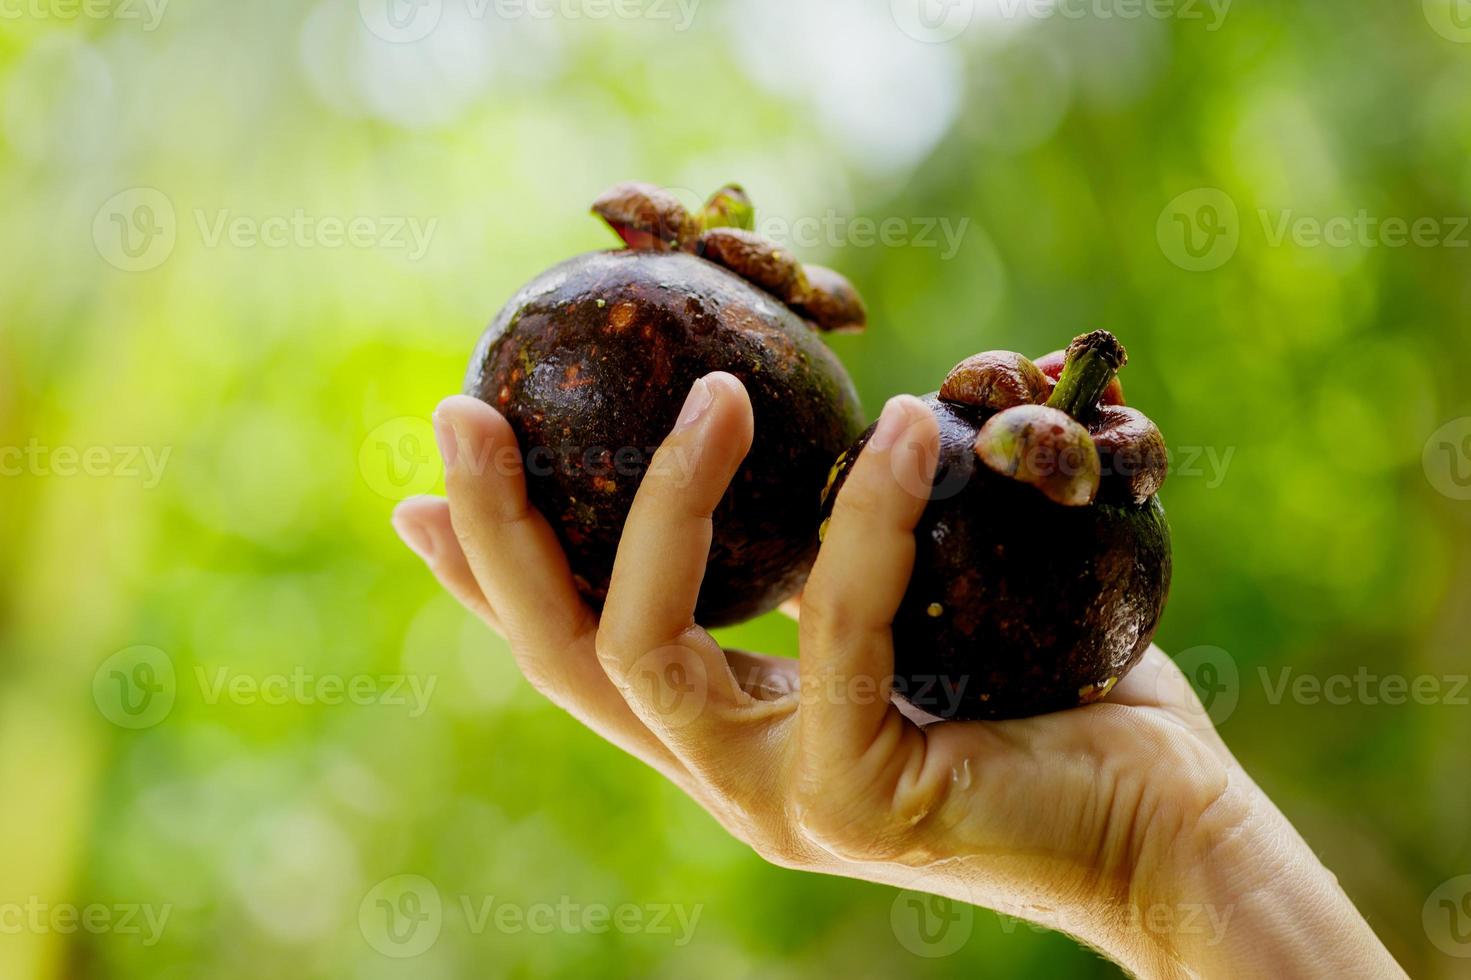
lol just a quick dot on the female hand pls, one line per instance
(1126, 823)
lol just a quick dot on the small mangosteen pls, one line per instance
(591, 361)
(1043, 557)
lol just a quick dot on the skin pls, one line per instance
(1083, 821)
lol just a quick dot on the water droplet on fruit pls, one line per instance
(960, 775)
(1089, 693)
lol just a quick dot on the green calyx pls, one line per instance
(728, 207)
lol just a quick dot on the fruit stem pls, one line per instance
(1092, 360)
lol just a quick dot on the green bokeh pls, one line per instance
(278, 375)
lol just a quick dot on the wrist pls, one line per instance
(1240, 894)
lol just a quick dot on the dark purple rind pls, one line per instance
(573, 375)
(1039, 605)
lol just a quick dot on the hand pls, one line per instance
(1115, 822)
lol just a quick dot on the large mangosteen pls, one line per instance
(1043, 557)
(591, 361)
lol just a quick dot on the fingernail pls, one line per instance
(419, 541)
(449, 444)
(892, 422)
(700, 398)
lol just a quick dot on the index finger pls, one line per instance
(856, 586)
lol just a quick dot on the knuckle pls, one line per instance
(611, 651)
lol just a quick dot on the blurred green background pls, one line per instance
(248, 246)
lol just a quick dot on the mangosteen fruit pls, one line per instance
(1042, 559)
(591, 361)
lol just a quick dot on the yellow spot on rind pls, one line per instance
(1089, 693)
